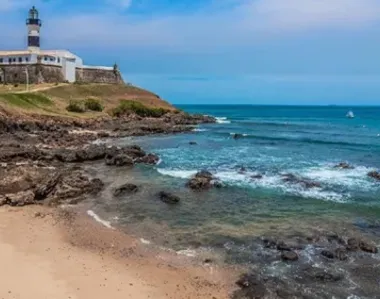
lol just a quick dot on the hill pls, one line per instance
(54, 99)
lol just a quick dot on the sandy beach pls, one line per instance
(45, 253)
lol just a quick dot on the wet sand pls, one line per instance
(45, 253)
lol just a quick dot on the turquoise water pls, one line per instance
(229, 222)
(305, 141)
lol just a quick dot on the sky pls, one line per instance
(306, 52)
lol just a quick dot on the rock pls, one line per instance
(168, 198)
(375, 175)
(364, 246)
(20, 199)
(353, 244)
(328, 254)
(125, 189)
(237, 136)
(65, 155)
(257, 176)
(193, 143)
(3, 200)
(119, 160)
(306, 183)
(344, 165)
(289, 256)
(202, 180)
(283, 247)
(150, 159)
(341, 254)
(207, 261)
(43, 190)
(326, 276)
(251, 287)
(91, 153)
(242, 170)
(39, 215)
(270, 243)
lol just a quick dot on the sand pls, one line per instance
(43, 255)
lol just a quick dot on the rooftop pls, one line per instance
(61, 53)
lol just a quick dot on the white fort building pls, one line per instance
(41, 66)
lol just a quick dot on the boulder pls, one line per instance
(364, 246)
(375, 175)
(203, 180)
(257, 176)
(193, 143)
(150, 159)
(237, 136)
(168, 198)
(250, 287)
(353, 244)
(341, 254)
(306, 183)
(328, 254)
(283, 247)
(344, 165)
(46, 187)
(125, 189)
(20, 199)
(119, 160)
(289, 256)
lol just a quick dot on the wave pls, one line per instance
(98, 219)
(222, 120)
(182, 174)
(299, 140)
(199, 130)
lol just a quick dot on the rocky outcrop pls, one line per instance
(125, 189)
(168, 197)
(306, 183)
(375, 175)
(203, 180)
(344, 165)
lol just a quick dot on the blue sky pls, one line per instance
(220, 51)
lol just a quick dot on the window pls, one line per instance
(26, 59)
(20, 59)
(45, 58)
(59, 60)
(14, 59)
(1, 60)
(52, 59)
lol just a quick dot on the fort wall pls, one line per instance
(98, 75)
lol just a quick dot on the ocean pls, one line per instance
(256, 201)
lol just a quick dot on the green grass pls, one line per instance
(93, 105)
(26, 100)
(129, 107)
(76, 106)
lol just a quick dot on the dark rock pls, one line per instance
(207, 261)
(375, 175)
(364, 246)
(326, 276)
(257, 176)
(237, 136)
(168, 198)
(65, 155)
(45, 188)
(306, 183)
(328, 254)
(242, 170)
(20, 199)
(341, 254)
(353, 244)
(289, 256)
(150, 159)
(344, 165)
(270, 243)
(283, 247)
(251, 288)
(119, 160)
(193, 143)
(203, 180)
(125, 189)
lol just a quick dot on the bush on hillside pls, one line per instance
(93, 105)
(130, 107)
(76, 106)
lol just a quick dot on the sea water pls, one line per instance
(274, 140)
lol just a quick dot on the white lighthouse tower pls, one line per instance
(34, 25)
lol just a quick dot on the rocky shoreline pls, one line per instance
(42, 162)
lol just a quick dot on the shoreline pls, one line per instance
(68, 251)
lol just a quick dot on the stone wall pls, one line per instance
(90, 75)
(38, 73)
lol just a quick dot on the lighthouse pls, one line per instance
(33, 24)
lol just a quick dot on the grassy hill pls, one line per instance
(54, 99)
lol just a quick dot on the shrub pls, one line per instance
(129, 107)
(93, 105)
(76, 106)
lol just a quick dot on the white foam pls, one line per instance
(199, 130)
(98, 219)
(183, 174)
(222, 120)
